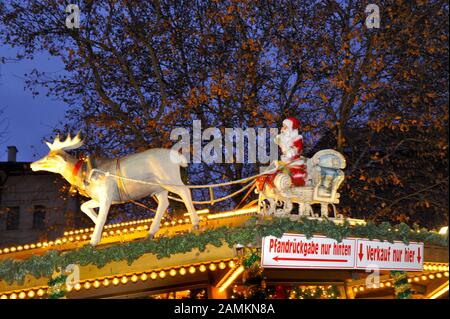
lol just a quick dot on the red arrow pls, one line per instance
(418, 256)
(277, 258)
(361, 254)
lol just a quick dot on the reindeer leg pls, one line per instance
(88, 209)
(185, 195)
(163, 203)
(105, 203)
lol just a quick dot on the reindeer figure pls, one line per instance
(158, 169)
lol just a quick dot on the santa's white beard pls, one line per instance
(286, 142)
(285, 139)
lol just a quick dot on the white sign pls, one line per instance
(319, 252)
(295, 251)
(389, 256)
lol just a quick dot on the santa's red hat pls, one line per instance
(292, 123)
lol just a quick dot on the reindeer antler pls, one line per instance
(68, 144)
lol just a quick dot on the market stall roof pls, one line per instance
(126, 264)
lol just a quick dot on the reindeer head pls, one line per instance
(56, 159)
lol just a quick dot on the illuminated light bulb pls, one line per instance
(20, 248)
(132, 229)
(71, 233)
(69, 288)
(431, 276)
(66, 233)
(425, 267)
(424, 278)
(81, 231)
(76, 238)
(111, 232)
(31, 294)
(40, 292)
(70, 238)
(437, 268)
(144, 277)
(87, 285)
(4, 297)
(166, 224)
(409, 280)
(192, 270)
(182, 271)
(58, 242)
(115, 281)
(106, 282)
(153, 275)
(355, 289)
(134, 278)
(86, 230)
(446, 274)
(125, 231)
(139, 228)
(84, 237)
(6, 250)
(32, 246)
(77, 286)
(124, 280)
(91, 229)
(222, 265)
(96, 284)
(173, 272)
(22, 295)
(180, 221)
(388, 284)
(382, 285)
(173, 223)
(416, 279)
(13, 249)
(162, 274)
(202, 268)
(446, 268)
(39, 245)
(118, 231)
(212, 267)
(13, 296)
(186, 220)
(231, 264)
(443, 230)
(64, 240)
(439, 275)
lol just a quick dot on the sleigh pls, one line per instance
(324, 176)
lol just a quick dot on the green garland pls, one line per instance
(251, 233)
(401, 286)
(56, 287)
(316, 293)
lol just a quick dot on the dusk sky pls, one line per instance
(29, 119)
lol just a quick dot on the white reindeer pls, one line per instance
(158, 168)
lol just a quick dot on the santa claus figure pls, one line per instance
(290, 141)
(291, 145)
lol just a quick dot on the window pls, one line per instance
(13, 218)
(39, 217)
